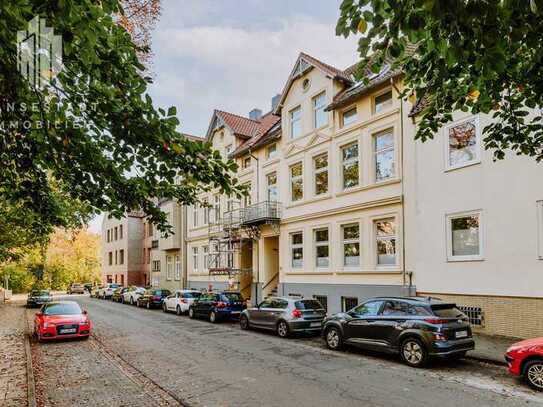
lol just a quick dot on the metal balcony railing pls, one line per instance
(262, 212)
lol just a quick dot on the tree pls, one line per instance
(477, 56)
(94, 129)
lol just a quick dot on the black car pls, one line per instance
(36, 298)
(153, 298)
(414, 327)
(217, 306)
(118, 294)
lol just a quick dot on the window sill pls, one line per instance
(370, 271)
(369, 186)
(271, 162)
(308, 273)
(308, 201)
(245, 171)
(458, 259)
(458, 167)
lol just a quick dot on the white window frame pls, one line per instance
(247, 199)
(296, 246)
(206, 213)
(317, 171)
(195, 215)
(385, 107)
(169, 267)
(319, 244)
(477, 159)
(540, 228)
(382, 151)
(292, 121)
(355, 117)
(205, 257)
(376, 239)
(271, 151)
(351, 241)
(271, 187)
(195, 256)
(448, 228)
(296, 178)
(349, 161)
(318, 108)
(177, 268)
(217, 208)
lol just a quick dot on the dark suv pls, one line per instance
(414, 327)
(217, 306)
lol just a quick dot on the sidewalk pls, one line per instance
(491, 348)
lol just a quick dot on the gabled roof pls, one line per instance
(269, 126)
(306, 62)
(240, 126)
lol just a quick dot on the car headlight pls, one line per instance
(48, 325)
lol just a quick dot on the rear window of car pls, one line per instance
(114, 286)
(308, 304)
(162, 292)
(191, 295)
(231, 297)
(62, 309)
(447, 311)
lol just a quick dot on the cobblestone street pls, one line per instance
(140, 357)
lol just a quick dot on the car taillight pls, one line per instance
(221, 304)
(157, 297)
(436, 321)
(296, 313)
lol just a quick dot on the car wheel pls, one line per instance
(533, 373)
(282, 329)
(191, 313)
(131, 300)
(212, 317)
(178, 310)
(413, 352)
(164, 307)
(333, 338)
(244, 322)
(138, 304)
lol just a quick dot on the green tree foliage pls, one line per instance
(479, 56)
(95, 128)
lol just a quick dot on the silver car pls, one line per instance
(285, 315)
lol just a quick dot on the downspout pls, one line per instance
(184, 231)
(257, 201)
(402, 187)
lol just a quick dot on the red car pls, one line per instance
(63, 319)
(525, 359)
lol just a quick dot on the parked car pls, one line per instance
(95, 290)
(217, 306)
(62, 319)
(180, 301)
(106, 291)
(153, 298)
(131, 295)
(525, 359)
(88, 287)
(414, 327)
(38, 298)
(76, 288)
(285, 315)
(118, 294)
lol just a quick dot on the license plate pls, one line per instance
(315, 324)
(461, 334)
(68, 331)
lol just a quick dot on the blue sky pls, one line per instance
(235, 55)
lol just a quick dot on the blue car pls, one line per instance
(217, 306)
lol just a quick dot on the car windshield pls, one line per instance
(162, 292)
(114, 286)
(62, 309)
(308, 304)
(191, 295)
(447, 311)
(231, 297)
(38, 293)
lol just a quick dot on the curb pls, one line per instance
(31, 385)
(486, 360)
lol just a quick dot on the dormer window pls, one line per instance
(382, 102)
(271, 151)
(247, 162)
(295, 122)
(349, 116)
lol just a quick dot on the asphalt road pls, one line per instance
(140, 357)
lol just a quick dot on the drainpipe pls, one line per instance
(402, 188)
(184, 229)
(257, 201)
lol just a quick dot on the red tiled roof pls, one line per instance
(241, 126)
(267, 122)
(329, 69)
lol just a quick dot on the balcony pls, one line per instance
(264, 212)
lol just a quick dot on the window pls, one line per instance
(368, 309)
(384, 156)
(156, 265)
(385, 233)
(206, 257)
(296, 182)
(108, 235)
(246, 162)
(297, 246)
(110, 260)
(350, 165)
(271, 180)
(320, 117)
(351, 245)
(322, 248)
(150, 229)
(348, 303)
(540, 228)
(195, 215)
(121, 232)
(349, 116)
(116, 233)
(206, 212)
(247, 198)
(195, 258)
(116, 257)
(121, 256)
(169, 267)
(227, 150)
(321, 174)
(464, 236)
(462, 143)
(217, 208)
(382, 102)
(296, 122)
(323, 300)
(271, 151)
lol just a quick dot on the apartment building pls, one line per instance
(324, 214)
(475, 227)
(121, 249)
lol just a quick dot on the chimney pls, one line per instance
(275, 101)
(255, 114)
